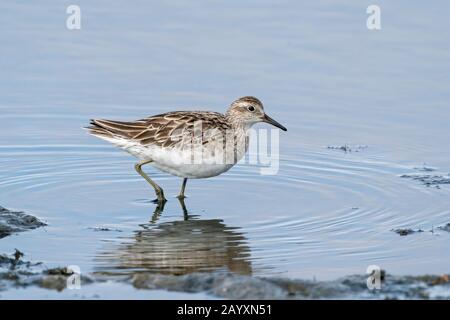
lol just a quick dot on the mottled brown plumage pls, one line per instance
(164, 130)
(166, 140)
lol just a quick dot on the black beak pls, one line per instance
(273, 122)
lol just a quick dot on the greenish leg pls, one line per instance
(158, 190)
(183, 187)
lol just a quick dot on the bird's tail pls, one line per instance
(97, 128)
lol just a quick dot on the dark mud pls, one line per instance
(425, 168)
(234, 286)
(15, 272)
(406, 231)
(347, 148)
(104, 229)
(429, 180)
(14, 221)
(445, 228)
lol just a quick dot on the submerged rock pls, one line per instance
(13, 221)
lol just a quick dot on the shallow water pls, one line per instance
(319, 71)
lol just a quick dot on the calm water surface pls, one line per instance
(319, 71)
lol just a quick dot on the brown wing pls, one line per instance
(165, 129)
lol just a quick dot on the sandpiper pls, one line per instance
(168, 141)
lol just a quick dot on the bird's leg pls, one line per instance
(158, 190)
(183, 186)
(183, 207)
(158, 210)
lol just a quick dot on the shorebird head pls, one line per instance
(249, 110)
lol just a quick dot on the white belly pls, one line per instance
(193, 171)
(183, 165)
(176, 162)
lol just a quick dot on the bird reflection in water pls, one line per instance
(179, 247)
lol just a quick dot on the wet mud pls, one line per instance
(16, 272)
(16, 221)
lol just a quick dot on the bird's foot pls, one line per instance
(160, 197)
(159, 200)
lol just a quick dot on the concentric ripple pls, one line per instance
(326, 213)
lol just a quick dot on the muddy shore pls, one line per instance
(17, 272)
(16, 221)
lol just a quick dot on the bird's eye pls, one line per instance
(251, 108)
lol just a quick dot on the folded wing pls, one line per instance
(164, 130)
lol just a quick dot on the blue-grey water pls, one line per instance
(318, 70)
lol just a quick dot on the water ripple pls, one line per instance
(322, 206)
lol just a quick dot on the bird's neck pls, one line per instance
(241, 127)
(240, 135)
